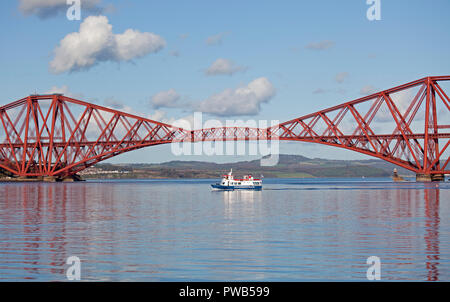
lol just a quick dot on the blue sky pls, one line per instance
(314, 54)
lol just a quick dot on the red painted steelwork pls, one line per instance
(420, 150)
(54, 135)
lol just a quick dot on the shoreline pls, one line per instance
(198, 178)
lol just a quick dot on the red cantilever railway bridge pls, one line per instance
(55, 137)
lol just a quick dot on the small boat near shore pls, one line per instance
(247, 182)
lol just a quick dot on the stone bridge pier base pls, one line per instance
(70, 178)
(429, 177)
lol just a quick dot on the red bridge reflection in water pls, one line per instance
(432, 232)
(131, 230)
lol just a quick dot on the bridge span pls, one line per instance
(53, 137)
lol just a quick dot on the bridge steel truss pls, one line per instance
(57, 136)
(420, 149)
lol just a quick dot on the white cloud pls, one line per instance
(168, 98)
(322, 45)
(245, 100)
(184, 36)
(320, 91)
(134, 44)
(223, 67)
(64, 90)
(113, 103)
(157, 115)
(95, 42)
(368, 89)
(175, 53)
(216, 39)
(340, 77)
(402, 101)
(49, 8)
(55, 89)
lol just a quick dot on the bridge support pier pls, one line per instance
(70, 178)
(50, 179)
(429, 177)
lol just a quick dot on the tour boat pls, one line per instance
(230, 183)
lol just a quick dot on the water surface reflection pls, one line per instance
(292, 230)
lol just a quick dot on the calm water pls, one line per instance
(167, 230)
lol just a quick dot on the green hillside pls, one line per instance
(288, 166)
